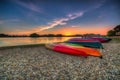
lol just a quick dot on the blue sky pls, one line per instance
(51, 16)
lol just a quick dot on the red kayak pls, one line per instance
(74, 50)
(87, 50)
(66, 49)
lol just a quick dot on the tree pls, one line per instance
(117, 28)
(34, 35)
(4, 35)
(59, 35)
(111, 33)
(50, 35)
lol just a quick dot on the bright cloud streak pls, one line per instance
(54, 23)
(62, 21)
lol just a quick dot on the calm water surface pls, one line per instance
(28, 40)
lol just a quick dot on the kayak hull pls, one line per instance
(74, 50)
(87, 50)
(66, 50)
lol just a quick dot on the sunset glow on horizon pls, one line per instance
(64, 31)
(67, 17)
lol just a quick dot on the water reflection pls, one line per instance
(27, 40)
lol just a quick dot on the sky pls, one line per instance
(68, 17)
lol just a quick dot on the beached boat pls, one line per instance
(82, 40)
(74, 50)
(93, 44)
(90, 51)
(91, 39)
(101, 39)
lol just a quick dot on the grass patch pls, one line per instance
(116, 39)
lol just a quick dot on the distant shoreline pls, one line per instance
(39, 37)
(22, 46)
(53, 36)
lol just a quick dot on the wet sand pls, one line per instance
(39, 63)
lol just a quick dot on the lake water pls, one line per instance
(27, 40)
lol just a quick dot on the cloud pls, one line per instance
(29, 5)
(54, 23)
(62, 21)
(74, 26)
(75, 15)
(9, 20)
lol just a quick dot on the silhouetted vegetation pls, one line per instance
(91, 35)
(34, 35)
(111, 33)
(115, 31)
(48, 35)
(37, 35)
(117, 28)
(59, 35)
(4, 35)
(77, 35)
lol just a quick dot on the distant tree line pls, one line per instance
(6, 35)
(115, 31)
(45, 35)
(49, 35)
(38, 35)
(52, 35)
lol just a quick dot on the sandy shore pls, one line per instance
(39, 63)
